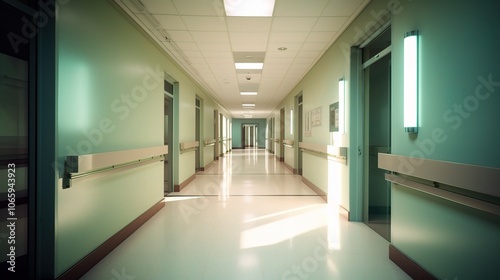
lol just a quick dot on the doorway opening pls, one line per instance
(282, 134)
(168, 136)
(376, 64)
(18, 145)
(249, 136)
(198, 134)
(271, 136)
(299, 106)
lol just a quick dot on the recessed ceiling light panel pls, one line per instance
(252, 8)
(248, 93)
(248, 66)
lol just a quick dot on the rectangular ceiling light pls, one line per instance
(248, 105)
(249, 66)
(249, 8)
(248, 93)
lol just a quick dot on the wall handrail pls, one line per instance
(189, 146)
(479, 179)
(333, 152)
(288, 143)
(209, 142)
(445, 194)
(81, 166)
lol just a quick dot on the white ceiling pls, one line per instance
(207, 43)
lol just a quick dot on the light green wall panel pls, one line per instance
(449, 240)
(459, 81)
(92, 211)
(459, 85)
(315, 170)
(110, 97)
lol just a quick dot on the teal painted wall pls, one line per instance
(458, 110)
(459, 80)
(459, 102)
(104, 104)
(110, 97)
(236, 131)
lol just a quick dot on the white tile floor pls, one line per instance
(248, 217)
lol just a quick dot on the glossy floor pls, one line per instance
(248, 217)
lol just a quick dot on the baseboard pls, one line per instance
(293, 170)
(317, 190)
(207, 166)
(411, 268)
(178, 188)
(89, 261)
(344, 212)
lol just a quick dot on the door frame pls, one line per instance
(198, 133)
(282, 134)
(298, 127)
(357, 124)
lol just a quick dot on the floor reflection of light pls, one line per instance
(334, 194)
(278, 214)
(224, 191)
(283, 229)
(179, 198)
(333, 227)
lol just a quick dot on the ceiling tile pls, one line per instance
(165, 7)
(249, 24)
(273, 60)
(249, 41)
(217, 60)
(180, 36)
(330, 23)
(170, 22)
(210, 37)
(218, 56)
(200, 8)
(193, 54)
(187, 46)
(214, 47)
(289, 8)
(342, 7)
(197, 60)
(199, 23)
(288, 37)
(296, 24)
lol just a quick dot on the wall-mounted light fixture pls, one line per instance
(411, 82)
(341, 105)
